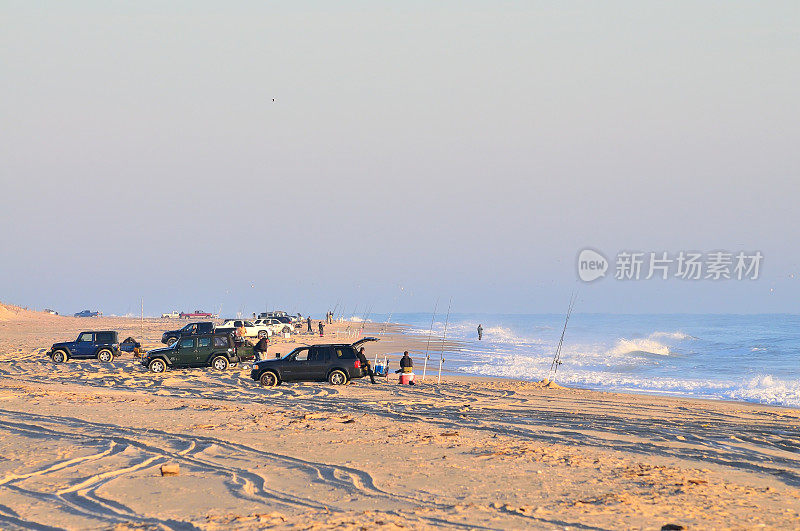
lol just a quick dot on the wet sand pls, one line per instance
(81, 445)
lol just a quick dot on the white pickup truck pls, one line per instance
(171, 315)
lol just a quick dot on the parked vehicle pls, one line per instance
(290, 324)
(87, 313)
(51, 312)
(251, 329)
(273, 325)
(203, 327)
(200, 350)
(195, 315)
(102, 345)
(336, 363)
(171, 315)
(267, 315)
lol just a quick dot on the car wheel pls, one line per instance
(337, 377)
(219, 363)
(157, 366)
(262, 333)
(105, 356)
(269, 379)
(59, 356)
(286, 330)
(171, 341)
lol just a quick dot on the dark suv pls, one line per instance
(200, 350)
(337, 363)
(203, 327)
(102, 345)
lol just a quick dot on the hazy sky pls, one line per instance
(456, 149)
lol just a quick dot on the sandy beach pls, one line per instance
(82, 444)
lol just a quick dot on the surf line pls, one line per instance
(557, 358)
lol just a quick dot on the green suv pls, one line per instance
(203, 350)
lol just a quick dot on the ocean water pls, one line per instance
(754, 358)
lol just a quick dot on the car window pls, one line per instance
(345, 353)
(248, 324)
(105, 337)
(302, 355)
(187, 343)
(86, 336)
(220, 342)
(319, 354)
(237, 324)
(203, 341)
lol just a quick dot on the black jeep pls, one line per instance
(200, 350)
(203, 327)
(102, 345)
(336, 363)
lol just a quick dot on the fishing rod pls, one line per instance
(430, 332)
(389, 319)
(444, 338)
(366, 316)
(333, 313)
(557, 358)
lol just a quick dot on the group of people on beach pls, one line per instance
(406, 365)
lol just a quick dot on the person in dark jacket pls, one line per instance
(480, 332)
(406, 363)
(308, 321)
(260, 350)
(406, 367)
(365, 363)
(321, 328)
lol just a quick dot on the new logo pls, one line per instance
(591, 265)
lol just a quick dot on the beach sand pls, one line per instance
(82, 445)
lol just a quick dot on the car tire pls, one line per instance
(262, 333)
(59, 356)
(287, 330)
(171, 341)
(337, 377)
(220, 363)
(268, 379)
(105, 355)
(157, 366)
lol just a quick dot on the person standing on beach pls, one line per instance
(365, 363)
(321, 328)
(480, 332)
(308, 321)
(260, 350)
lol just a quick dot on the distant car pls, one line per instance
(171, 315)
(51, 312)
(102, 345)
(87, 313)
(273, 325)
(197, 314)
(267, 315)
(251, 329)
(336, 363)
(289, 322)
(203, 327)
(202, 350)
